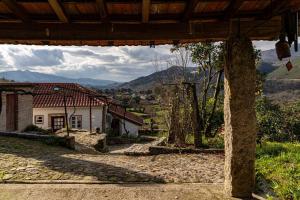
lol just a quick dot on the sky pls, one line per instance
(119, 64)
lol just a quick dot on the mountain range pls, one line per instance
(29, 76)
(157, 78)
(269, 65)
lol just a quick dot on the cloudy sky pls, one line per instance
(110, 63)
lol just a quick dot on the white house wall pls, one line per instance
(83, 111)
(133, 129)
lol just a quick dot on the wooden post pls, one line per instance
(239, 116)
(91, 131)
(104, 111)
(66, 115)
(197, 119)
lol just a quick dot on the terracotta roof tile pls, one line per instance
(76, 95)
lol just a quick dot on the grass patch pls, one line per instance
(279, 165)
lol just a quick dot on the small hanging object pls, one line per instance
(289, 65)
(282, 48)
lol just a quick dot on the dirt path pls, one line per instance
(111, 192)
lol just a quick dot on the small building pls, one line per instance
(86, 109)
(121, 122)
(15, 106)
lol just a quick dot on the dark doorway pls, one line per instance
(57, 122)
(11, 112)
(115, 126)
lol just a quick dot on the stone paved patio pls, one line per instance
(112, 191)
(30, 160)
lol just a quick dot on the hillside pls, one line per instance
(28, 76)
(282, 73)
(157, 78)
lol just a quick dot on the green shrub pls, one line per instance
(270, 120)
(33, 128)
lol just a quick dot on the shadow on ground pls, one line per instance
(67, 163)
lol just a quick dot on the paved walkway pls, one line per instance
(111, 192)
(22, 159)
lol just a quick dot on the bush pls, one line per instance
(34, 128)
(292, 121)
(277, 123)
(270, 119)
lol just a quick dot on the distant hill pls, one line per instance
(28, 76)
(157, 78)
(276, 69)
(282, 73)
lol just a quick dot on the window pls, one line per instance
(76, 121)
(39, 119)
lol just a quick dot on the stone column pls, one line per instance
(239, 116)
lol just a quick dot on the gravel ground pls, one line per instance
(22, 159)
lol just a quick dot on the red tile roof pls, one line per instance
(119, 111)
(45, 95)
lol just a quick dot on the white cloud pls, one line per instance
(112, 63)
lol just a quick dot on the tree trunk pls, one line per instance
(208, 130)
(196, 117)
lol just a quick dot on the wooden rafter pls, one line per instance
(145, 11)
(17, 10)
(274, 8)
(101, 7)
(149, 32)
(58, 9)
(232, 9)
(190, 7)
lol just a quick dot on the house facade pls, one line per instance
(86, 109)
(15, 106)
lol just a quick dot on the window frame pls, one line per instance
(74, 119)
(36, 119)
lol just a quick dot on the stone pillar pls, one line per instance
(240, 119)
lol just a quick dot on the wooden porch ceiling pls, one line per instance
(137, 22)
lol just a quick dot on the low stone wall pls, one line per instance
(65, 141)
(101, 144)
(123, 140)
(156, 150)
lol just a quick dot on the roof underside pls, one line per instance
(137, 22)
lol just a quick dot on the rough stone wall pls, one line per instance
(3, 114)
(240, 119)
(24, 111)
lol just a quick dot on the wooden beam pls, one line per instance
(94, 34)
(274, 8)
(190, 7)
(145, 11)
(17, 10)
(232, 9)
(102, 9)
(59, 11)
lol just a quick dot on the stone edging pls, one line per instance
(156, 150)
